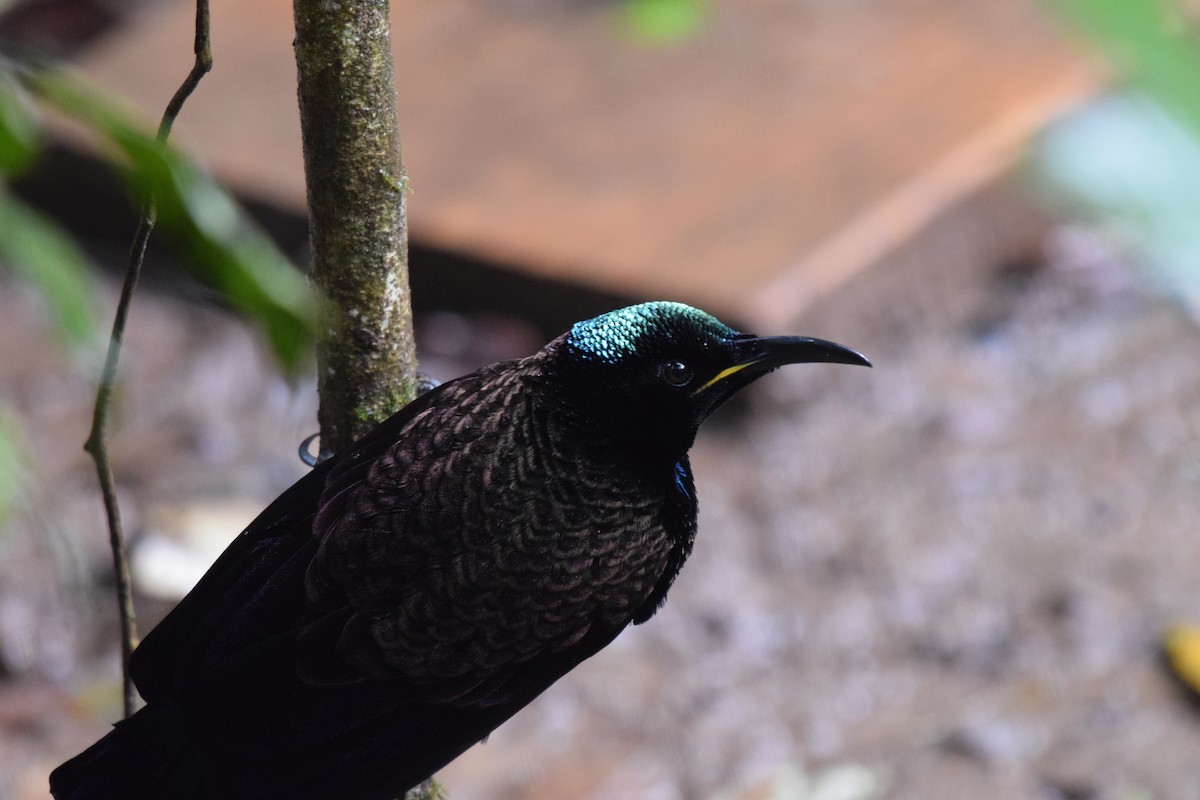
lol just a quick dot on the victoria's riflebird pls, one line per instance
(421, 586)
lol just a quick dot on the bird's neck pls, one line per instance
(626, 445)
(588, 420)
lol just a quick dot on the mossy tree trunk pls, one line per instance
(356, 197)
(366, 359)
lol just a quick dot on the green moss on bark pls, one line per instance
(357, 207)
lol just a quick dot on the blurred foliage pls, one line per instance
(13, 473)
(34, 246)
(221, 244)
(1132, 161)
(42, 253)
(1151, 43)
(664, 22)
(19, 136)
(1135, 169)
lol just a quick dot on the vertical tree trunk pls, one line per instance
(366, 359)
(366, 363)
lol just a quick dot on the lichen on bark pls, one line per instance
(366, 363)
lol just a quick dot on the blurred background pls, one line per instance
(950, 576)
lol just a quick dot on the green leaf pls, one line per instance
(19, 139)
(1151, 42)
(664, 22)
(230, 253)
(36, 248)
(224, 247)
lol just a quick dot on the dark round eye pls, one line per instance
(675, 373)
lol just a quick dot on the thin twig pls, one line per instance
(96, 444)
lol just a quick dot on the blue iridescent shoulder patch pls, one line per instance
(615, 335)
(682, 479)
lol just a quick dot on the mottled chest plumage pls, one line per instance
(491, 532)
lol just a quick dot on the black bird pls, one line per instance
(420, 587)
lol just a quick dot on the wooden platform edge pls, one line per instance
(902, 215)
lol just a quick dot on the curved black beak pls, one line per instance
(764, 353)
(768, 352)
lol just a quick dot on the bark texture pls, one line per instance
(366, 359)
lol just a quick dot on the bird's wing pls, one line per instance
(255, 589)
(397, 559)
(461, 555)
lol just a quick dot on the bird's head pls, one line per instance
(653, 372)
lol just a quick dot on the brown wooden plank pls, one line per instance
(748, 169)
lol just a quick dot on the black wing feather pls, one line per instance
(256, 585)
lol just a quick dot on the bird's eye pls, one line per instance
(675, 373)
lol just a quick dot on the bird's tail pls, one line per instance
(142, 758)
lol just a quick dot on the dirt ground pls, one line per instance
(944, 577)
